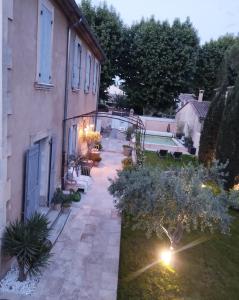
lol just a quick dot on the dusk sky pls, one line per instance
(212, 18)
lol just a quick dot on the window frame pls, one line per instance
(38, 81)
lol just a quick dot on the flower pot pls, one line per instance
(96, 163)
(65, 209)
(127, 150)
(56, 206)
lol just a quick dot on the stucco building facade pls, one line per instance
(190, 118)
(51, 71)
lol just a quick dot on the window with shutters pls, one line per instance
(96, 76)
(45, 36)
(87, 72)
(76, 65)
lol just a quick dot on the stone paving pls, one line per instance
(86, 255)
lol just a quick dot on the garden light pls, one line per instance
(166, 256)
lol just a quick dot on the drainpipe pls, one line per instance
(98, 95)
(63, 158)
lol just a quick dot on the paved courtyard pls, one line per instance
(86, 255)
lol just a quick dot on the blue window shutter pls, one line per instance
(32, 186)
(88, 70)
(70, 139)
(76, 67)
(95, 80)
(46, 23)
(79, 63)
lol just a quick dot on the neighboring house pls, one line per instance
(184, 98)
(51, 71)
(190, 118)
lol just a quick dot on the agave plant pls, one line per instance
(28, 242)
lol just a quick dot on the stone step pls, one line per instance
(58, 226)
(52, 216)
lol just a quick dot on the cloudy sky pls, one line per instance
(212, 18)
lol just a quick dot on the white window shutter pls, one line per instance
(46, 30)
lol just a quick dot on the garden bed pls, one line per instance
(207, 271)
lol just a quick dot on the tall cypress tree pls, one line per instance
(211, 128)
(220, 135)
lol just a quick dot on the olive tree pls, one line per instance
(174, 201)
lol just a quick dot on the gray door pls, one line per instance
(32, 181)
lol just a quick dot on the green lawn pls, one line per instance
(208, 271)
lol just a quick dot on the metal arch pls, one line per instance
(133, 120)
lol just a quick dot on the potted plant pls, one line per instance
(129, 133)
(127, 150)
(28, 241)
(127, 163)
(66, 203)
(96, 161)
(75, 196)
(99, 146)
(57, 199)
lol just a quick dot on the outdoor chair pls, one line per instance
(162, 153)
(177, 155)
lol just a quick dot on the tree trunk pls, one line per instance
(177, 235)
(22, 276)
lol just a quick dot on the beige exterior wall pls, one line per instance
(159, 124)
(33, 113)
(188, 122)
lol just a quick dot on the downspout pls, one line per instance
(63, 158)
(98, 96)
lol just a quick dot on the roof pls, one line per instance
(81, 26)
(200, 107)
(186, 97)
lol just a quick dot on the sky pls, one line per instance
(211, 18)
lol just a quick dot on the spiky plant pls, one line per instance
(28, 242)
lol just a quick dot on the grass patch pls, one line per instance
(152, 159)
(208, 271)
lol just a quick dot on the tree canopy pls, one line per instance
(174, 201)
(209, 62)
(158, 62)
(108, 27)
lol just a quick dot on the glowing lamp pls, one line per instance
(166, 257)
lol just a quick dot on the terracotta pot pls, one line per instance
(127, 150)
(56, 206)
(96, 163)
(65, 209)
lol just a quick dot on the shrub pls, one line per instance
(127, 163)
(74, 196)
(175, 201)
(29, 243)
(58, 197)
(129, 133)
